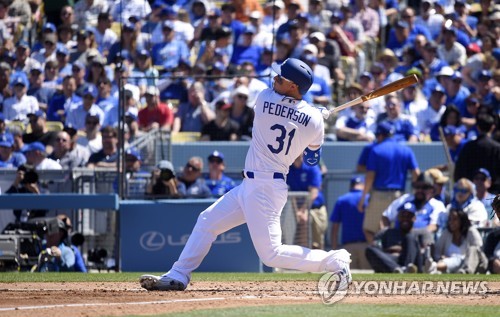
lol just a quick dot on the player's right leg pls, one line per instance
(220, 217)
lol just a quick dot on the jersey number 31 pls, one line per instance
(281, 139)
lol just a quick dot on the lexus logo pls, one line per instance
(152, 241)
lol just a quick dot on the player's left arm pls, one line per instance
(312, 155)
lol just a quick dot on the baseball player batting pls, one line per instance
(285, 126)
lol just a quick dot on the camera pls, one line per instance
(166, 174)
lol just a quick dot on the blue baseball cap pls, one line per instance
(135, 153)
(23, 43)
(2, 117)
(79, 65)
(296, 71)
(357, 179)
(6, 140)
(49, 26)
(20, 80)
(484, 74)
(143, 52)
(90, 90)
(216, 154)
(408, 206)
(35, 146)
(219, 66)
(62, 49)
(249, 29)
(439, 88)
(366, 74)
(402, 24)
(496, 53)
(485, 172)
(385, 128)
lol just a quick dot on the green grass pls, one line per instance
(371, 310)
(231, 277)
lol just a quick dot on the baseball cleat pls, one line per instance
(160, 283)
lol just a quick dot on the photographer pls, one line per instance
(163, 182)
(26, 182)
(58, 256)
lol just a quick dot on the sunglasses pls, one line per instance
(421, 187)
(215, 160)
(92, 122)
(61, 140)
(192, 167)
(459, 190)
(242, 96)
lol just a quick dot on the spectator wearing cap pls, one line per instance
(192, 115)
(455, 139)
(450, 51)
(169, 52)
(222, 127)
(36, 156)
(62, 59)
(39, 131)
(429, 19)
(328, 55)
(65, 154)
(483, 152)
(413, 101)
(123, 10)
(440, 192)
(24, 62)
(263, 38)
(311, 52)
(216, 180)
(184, 30)
(399, 37)
(62, 257)
(472, 105)
(303, 177)
(219, 50)
(143, 73)
(484, 90)
(51, 75)
(105, 100)
(163, 183)
(104, 36)
(430, 59)
(42, 94)
(432, 114)
(207, 32)
(482, 181)
(17, 107)
(9, 158)
(80, 52)
(47, 29)
(228, 16)
(241, 113)
(61, 103)
(156, 114)
(198, 10)
(245, 50)
(76, 116)
(428, 209)
(456, 93)
(133, 160)
(91, 138)
(273, 15)
(387, 165)
(357, 126)
(399, 250)
(389, 60)
(87, 12)
(348, 222)
(48, 52)
(255, 85)
(405, 126)
(479, 62)
(108, 155)
(111, 111)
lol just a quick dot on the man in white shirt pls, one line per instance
(17, 107)
(37, 156)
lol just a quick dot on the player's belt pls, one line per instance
(249, 174)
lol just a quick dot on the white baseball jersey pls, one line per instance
(282, 128)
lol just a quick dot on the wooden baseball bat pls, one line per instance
(387, 89)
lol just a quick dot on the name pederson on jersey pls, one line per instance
(282, 128)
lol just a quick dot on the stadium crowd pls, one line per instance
(196, 66)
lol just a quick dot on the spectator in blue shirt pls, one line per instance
(456, 93)
(302, 177)
(245, 51)
(348, 221)
(61, 103)
(387, 166)
(405, 127)
(168, 53)
(76, 116)
(191, 183)
(455, 139)
(8, 158)
(216, 180)
(42, 94)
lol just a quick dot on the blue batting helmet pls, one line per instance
(296, 71)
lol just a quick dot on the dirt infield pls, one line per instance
(119, 299)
